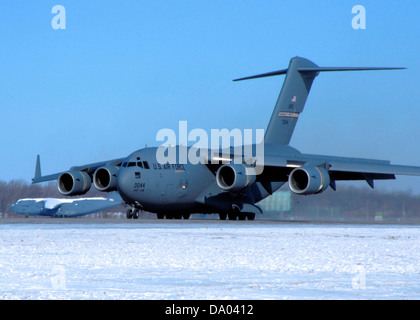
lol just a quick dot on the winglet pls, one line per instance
(37, 168)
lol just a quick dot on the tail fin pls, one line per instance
(291, 101)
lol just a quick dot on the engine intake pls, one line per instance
(309, 180)
(74, 183)
(105, 178)
(235, 177)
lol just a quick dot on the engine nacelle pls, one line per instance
(235, 177)
(74, 183)
(309, 180)
(105, 178)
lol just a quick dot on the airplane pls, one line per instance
(227, 188)
(54, 207)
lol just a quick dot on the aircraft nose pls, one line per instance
(123, 183)
(13, 207)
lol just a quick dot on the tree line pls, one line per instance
(362, 204)
(349, 203)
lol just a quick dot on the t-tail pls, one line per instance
(290, 104)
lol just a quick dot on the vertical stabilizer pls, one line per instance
(290, 102)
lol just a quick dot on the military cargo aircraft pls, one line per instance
(54, 207)
(226, 187)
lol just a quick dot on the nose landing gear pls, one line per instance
(133, 213)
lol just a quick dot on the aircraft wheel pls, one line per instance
(232, 215)
(160, 216)
(178, 216)
(136, 214)
(242, 216)
(129, 214)
(169, 216)
(186, 216)
(222, 216)
(250, 216)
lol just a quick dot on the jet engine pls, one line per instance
(74, 183)
(105, 178)
(235, 177)
(309, 180)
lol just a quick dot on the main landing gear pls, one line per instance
(236, 214)
(232, 215)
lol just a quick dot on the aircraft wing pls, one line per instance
(88, 168)
(277, 168)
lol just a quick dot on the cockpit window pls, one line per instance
(140, 164)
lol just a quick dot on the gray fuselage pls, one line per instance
(154, 187)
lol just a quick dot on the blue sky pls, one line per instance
(122, 70)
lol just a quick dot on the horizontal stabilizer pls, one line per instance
(318, 69)
(328, 69)
(263, 75)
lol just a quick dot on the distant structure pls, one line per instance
(278, 205)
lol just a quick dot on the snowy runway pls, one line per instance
(208, 260)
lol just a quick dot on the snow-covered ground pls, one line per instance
(208, 260)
